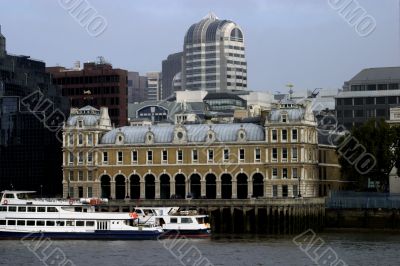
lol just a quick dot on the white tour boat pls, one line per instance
(175, 221)
(22, 217)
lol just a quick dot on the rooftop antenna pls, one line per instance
(290, 86)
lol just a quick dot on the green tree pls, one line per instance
(383, 142)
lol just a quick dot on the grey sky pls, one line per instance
(305, 42)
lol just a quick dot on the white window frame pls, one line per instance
(197, 156)
(80, 157)
(177, 156)
(272, 135)
(283, 158)
(164, 161)
(295, 159)
(297, 135)
(102, 159)
(88, 175)
(80, 176)
(282, 139)
(257, 160)
(244, 154)
(89, 157)
(71, 175)
(210, 155)
(223, 155)
(297, 172)
(283, 173)
(122, 157)
(274, 176)
(80, 139)
(70, 158)
(89, 139)
(132, 157)
(274, 159)
(147, 157)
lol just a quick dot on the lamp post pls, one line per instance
(299, 194)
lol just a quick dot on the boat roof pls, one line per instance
(18, 191)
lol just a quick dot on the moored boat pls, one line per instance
(23, 217)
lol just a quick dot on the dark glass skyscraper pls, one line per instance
(170, 67)
(31, 113)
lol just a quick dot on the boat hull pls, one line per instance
(198, 233)
(96, 235)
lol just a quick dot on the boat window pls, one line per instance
(9, 196)
(147, 212)
(12, 209)
(2, 222)
(41, 209)
(21, 209)
(11, 222)
(31, 209)
(186, 220)
(138, 211)
(21, 222)
(80, 223)
(1, 196)
(23, 196)
(50, 223)
(78, 209)
(3, 208)
(174, 220)
(89, 223)
(70, 223)
(52, 209)
(30, 223)
(200, 220)
(60, 223)
(39, 223)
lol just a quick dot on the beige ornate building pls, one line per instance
(204, 160)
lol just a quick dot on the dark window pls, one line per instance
(392, 100)
(380, 100)
(370, 100)
(393, 86)
(339, 101)
(382, 87)
(371, 87)
(348, 113)
(358, 101)
(359, 113)
(381, 112)
(348, 101)
(285, 191)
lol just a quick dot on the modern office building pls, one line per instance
(32, 111)
(97, 84)
(370, 94)
(154, 86)
(170, 67)
(137, 86)
(214, 56)
(277, 159)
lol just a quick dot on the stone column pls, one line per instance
(218, 183)
(142, 190)
(250, 188)
(172, 187)
(157, 184)
(112, 183)
(127, 188)
(234, 189)
(187, 187)
(203, 188)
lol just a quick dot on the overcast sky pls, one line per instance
(304, 42)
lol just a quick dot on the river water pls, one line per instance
(353, 248)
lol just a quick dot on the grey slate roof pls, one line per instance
(375, 74)
(195, 133)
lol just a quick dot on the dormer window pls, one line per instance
(149, 138)
(80, 124)
(120, 138)
(284, 118)
(241, 135)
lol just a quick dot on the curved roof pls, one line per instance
(293, 114)
(88, 120)
(195, 133)
(209, 29)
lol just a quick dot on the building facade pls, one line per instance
(154, 83)
(97, 84)
(170, 67)
(214, 56)
(241, 161)
(29, 147)
(369, 95)
(137, 86)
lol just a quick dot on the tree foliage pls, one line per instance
(383, 142)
